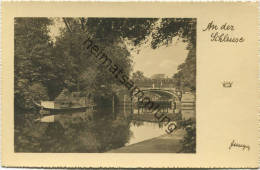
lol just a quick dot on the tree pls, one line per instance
(111, 33)
(185, 30)
(186, 76)
(138, 76)
(81, 72)
(43, 68)
(67, 64)
(32, 61)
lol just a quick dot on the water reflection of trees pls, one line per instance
(99, 135)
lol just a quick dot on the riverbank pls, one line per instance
(168, 143)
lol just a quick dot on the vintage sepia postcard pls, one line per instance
(130, 84)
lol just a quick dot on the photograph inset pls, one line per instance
(96, 85)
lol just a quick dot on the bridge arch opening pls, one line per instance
(166, 99)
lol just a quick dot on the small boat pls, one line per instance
(66, 103)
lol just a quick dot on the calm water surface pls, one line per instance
(79, 134)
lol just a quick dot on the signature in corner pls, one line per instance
(242, 146)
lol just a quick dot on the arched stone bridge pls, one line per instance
(168, 98)
(168, 92)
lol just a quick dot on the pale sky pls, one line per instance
(163, 60)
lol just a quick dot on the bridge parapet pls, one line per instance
(170, 92)
(161, 88)
(155, 83)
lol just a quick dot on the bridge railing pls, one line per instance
(154, 84)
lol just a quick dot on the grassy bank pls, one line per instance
(168, 143)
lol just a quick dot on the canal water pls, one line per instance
(101, 133)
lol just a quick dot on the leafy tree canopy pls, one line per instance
(51, 66)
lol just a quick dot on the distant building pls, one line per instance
(158, 76)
